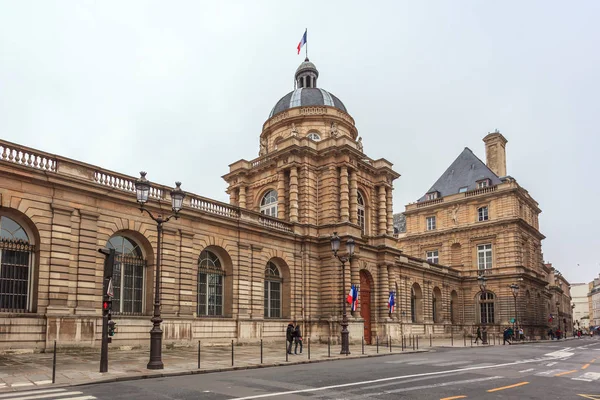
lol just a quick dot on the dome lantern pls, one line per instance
(306, 75)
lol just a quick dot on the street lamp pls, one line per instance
(335, 247)
(558, 314)
(142, 191)
(515, 292)
(484, 316)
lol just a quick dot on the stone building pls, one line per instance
(594, 303)
(238, 271)
(478, 220)
(581, 312)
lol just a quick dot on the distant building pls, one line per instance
(480, 221)
(594, 302)
(581, 311)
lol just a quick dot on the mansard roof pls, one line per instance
(463, 173)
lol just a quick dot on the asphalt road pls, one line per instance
(552, 370)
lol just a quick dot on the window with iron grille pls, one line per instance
(210, 285)
(272, 291)
(128, 276)
(268, 204)
(486, 308)
(361, 211)
(16, 268)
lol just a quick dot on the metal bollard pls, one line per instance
(363, 344)
(430, 341)
(198, 354)
(377, 341)
(328, 346)
(391, 344)
(54, 364)
(451, 338)
(417, 342)
(308, 343)
(261, 351)
(232, 352)
(402, 342)
(413, 342)
(465, 339)
(286, 352)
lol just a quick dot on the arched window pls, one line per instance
(268, 204)
(210, 284)
(16, 267)
(486, 308)
(128, 275)
(413, 303)
(314, 136)
(361, 211)
(272, 291)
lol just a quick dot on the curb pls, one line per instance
(224, 369)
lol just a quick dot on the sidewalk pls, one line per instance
(31, 370)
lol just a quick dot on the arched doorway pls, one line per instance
(436, 305)
(365, 303)
(453, 307)
(416, 303)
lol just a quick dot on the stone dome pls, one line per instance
(306, 92)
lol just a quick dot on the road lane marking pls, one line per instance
(508, 387)
(408, 389)
(453, 398)
(31, 392)
(566, 373)
(392, 378)
(527, 370)
(585, 366)
(550, 364)
(593, 361)
(45, 396)
(588, 377)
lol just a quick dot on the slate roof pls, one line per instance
(307, 97)
(465, 171)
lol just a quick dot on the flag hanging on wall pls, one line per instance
(391, 302)
(302, 41)
(354, 298)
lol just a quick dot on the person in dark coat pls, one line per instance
(478, 335)
(297, 339)
(506, 336)
(289, 336)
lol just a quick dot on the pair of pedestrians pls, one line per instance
(293, 335)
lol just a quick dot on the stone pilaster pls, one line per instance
(242, 196)
(281, 194)
(188, 263)
(390, 212)
(382, 211)
(353, 197)
(384, 291)
(60, 254)
(89, 285)
(344, 195)
(294, 194)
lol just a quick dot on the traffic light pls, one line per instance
(106, 307)
(112, 326)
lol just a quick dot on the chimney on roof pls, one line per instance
(495, 152)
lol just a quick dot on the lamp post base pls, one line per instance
(156, 348)
(345, 341)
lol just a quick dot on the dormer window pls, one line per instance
(432, 195)
(463, 189)
(483, 183)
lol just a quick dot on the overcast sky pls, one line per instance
(181, 89)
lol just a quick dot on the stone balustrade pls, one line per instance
(27, 157)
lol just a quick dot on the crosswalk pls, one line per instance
(47, 394)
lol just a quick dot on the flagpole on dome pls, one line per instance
(306, 45)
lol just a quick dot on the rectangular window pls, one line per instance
(482, 213)
(484, 256)
(432, 256)
(462, 189)
(430, 223)
(483, 184)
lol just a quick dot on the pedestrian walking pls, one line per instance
(506, 336)
(550, 334)
(297, 339)
(478, 335)
(289, 336)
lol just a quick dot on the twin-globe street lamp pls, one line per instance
(558, 315)
(484, 316)
(515, 292)
(335, 247)
(142, 191)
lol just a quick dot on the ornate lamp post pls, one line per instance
(484, 316)
(335, 247)
(515, 292)
(142, 189)
(558, 314)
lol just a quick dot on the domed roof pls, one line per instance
(307, 93)
(304, 97)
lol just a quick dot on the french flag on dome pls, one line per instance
(302, 41)
(391, 302)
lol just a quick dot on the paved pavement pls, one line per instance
(26, 372)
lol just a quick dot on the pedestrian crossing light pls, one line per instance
(112, 326)
(106, 306)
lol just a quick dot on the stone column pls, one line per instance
(344, 199)
(242, 196)
(384, 290)
(390, 212)
(294, 194)
(382, 211)
(353, 198)
(281, 194)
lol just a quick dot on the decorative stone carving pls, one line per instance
(455, 214)
(359, 144)
(294, 131)
(333, 130)
(263, 147)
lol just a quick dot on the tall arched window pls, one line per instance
(486, 308)
(268, 204)
(128, 275)
(361, 211)
(210, 284)
(413, 305)
(272, 291)
(16, 267)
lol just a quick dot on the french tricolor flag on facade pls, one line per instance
(302, 41)
(391, 302)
